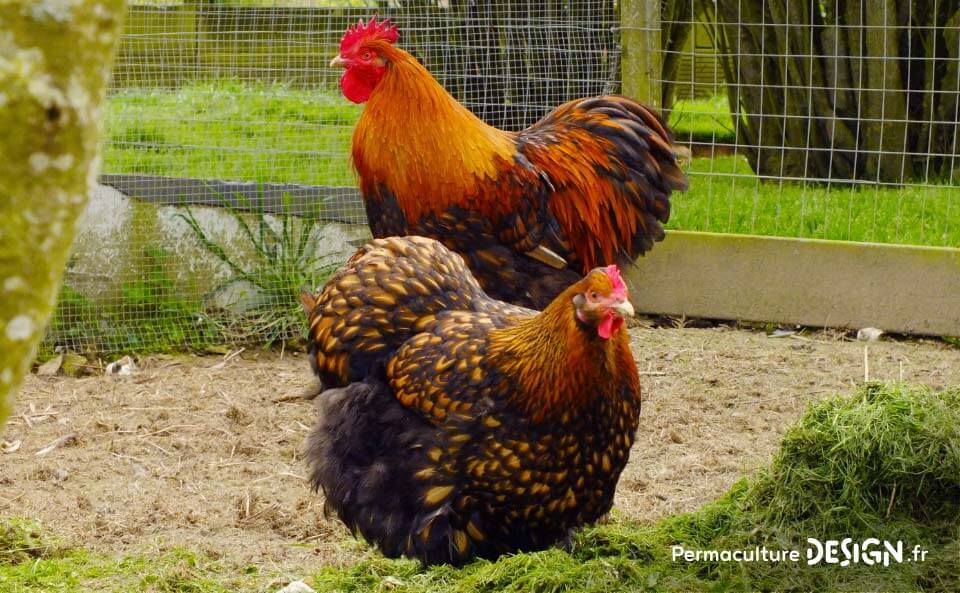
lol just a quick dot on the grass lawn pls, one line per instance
(234, 131)
(272, 3)
(702, 120)
(273, 133)
(725, 196)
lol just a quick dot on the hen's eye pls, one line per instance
(594, 295)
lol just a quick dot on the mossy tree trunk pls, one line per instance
(676, 20)
(55, 61)
(647, 26)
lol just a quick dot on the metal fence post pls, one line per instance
(640, 41)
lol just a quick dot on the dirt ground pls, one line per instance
(204, 453)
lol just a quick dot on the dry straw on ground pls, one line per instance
(204, 452)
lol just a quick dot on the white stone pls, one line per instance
(297, 587)
(869, 334)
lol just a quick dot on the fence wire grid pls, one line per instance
(228, 139)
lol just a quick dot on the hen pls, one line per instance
(456, 426)
(587, 185)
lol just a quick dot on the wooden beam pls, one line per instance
(897, 288)
(640, 54)
(337, 204)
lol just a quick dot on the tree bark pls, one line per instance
(842, 89)
(676, 26)
(55, 61)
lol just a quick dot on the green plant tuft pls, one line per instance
(285, 260)
(888, 451)
(20, 541)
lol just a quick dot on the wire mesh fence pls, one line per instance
(226, 126)
(227, 137)
(830, 119)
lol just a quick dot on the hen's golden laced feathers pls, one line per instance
(388, 291)
(587, 185)
(454, 425)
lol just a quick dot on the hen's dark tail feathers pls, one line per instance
(368, 490)
(363, 455)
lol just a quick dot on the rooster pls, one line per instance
(455, 426)
(587, 185)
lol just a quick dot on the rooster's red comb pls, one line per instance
(616, 281)
(368, 31)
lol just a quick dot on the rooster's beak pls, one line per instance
(338, 62)
(624, 309)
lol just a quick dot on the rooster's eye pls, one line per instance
(366, 55)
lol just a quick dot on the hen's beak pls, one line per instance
(624, 309)
(338, 62)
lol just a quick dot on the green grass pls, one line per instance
(21, 541)
(175, 570)
(274, 133)
(882, 462)
(271, 3)
(287, 259)
(726, 197)
(231, 130)
(702, 120)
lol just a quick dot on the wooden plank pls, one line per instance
(336, 204)
(897, 288)
(640, 61)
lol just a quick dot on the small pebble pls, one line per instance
(297, 587)
(869, 334)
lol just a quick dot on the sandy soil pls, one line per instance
(204, 452)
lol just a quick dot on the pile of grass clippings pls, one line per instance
(832, 478)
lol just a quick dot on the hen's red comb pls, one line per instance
(368, 32)
(613, 273)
